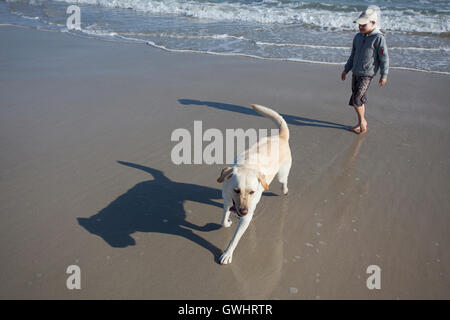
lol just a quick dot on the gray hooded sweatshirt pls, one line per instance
(369, 53)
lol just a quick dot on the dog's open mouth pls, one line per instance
(233, 209)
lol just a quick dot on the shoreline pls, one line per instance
(151, 44)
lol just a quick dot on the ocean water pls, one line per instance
(417, 31)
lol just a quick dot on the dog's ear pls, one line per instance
(227, 172)
(262, 180)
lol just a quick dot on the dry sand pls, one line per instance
(87, 178)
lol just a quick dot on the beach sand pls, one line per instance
(87, 177)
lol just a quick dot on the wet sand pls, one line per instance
(87, 178)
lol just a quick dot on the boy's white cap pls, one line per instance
(367, 16)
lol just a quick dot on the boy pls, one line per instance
(369, 53)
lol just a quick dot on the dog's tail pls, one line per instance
(275, 117)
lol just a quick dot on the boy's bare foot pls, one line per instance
(356, 129)
(360, 128)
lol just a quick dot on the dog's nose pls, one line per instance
(243, 210)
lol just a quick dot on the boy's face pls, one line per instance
(366, 28)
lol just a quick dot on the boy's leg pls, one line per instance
(361, 127)
(358, 100)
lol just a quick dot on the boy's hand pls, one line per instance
(343, 75)
(382, 81)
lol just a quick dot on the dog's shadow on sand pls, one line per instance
(290, 119)
(153, 206)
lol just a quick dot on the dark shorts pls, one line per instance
(360, 84)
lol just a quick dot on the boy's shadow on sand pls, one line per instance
(153, 206)
(290, 119)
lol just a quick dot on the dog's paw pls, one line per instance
(226, 257)
(227, 223)
(285, 190)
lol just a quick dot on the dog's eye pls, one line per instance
(252, 192)
(237, 190)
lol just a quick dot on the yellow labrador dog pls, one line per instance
(251, 174)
